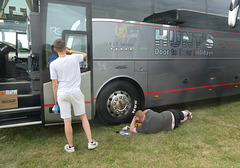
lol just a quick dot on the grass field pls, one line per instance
(211, 139)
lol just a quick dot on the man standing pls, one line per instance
(153, 122)
(66, 79)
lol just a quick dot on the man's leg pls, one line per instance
(86, 127)
(68, 130)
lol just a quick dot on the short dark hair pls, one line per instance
(59, 45)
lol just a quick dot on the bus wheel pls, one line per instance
(117, 103)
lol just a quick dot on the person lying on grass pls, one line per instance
(153, 122)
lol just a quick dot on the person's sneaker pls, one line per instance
(69, 149)
(92, 145)
(189, 115)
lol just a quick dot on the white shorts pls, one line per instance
(76, 101)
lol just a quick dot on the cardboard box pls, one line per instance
(8, 99)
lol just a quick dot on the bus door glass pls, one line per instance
(71, 21)
(77, 41)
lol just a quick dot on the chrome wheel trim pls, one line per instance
(119, 103)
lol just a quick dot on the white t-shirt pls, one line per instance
(67, 72)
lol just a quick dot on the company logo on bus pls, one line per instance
(121, 31)
(183, 43)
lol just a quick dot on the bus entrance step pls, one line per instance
(23, 86)
(20, 123)
(25, 115)
(29, 100)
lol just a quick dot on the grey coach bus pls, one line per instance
(141, 53)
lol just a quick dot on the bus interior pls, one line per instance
(19, 67)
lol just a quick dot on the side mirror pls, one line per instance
(233, 13)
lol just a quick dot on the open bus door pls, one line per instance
(71, 21)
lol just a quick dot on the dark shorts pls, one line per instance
(178, 116)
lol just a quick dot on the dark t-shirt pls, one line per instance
(155, 122)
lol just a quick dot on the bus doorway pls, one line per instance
(18, 74)
(70, 21)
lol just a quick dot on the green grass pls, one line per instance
(211, 139)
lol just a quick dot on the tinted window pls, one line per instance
(135, 10)
(71, 18)
(163, 5)
(139, 10)
(178, 12)
(218, 15)
(60, 18)
(202, 14)
(78, 43)
(219, 8)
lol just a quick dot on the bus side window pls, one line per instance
(78, 42)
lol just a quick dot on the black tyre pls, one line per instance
(117, 102)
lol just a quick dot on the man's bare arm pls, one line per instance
(54, 87)
(69, 51)
(132, 126)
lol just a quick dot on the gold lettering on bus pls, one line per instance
(232, 45)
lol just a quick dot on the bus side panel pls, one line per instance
(204, 67)
(114, 47)
(181, 64)
(130, 71)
